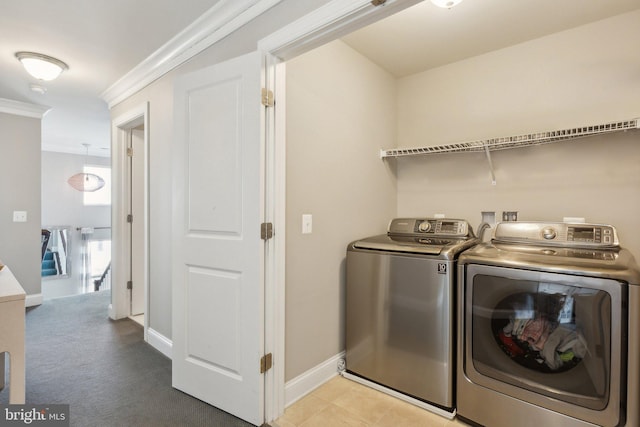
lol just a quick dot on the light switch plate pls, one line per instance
(307, 223)
(19, 216)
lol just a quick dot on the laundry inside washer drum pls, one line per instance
(538, 330)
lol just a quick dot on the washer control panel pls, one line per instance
(558, 233)
(430, 226)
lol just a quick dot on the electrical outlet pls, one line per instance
(510, 215)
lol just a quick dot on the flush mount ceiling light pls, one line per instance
(40, 66)
(447, 4)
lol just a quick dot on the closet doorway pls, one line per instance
(130, 217)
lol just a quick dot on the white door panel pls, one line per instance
(218, 278)
(216, 192)
(138, 226)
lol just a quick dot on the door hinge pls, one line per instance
(129, 152)
(266, 230)
(129, 284)
(378, 2)
(266, 362)
(129, 218)
(267, 97)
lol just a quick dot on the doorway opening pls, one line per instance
(130, 217)
(71, 220)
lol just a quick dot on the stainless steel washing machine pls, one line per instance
(400, 308)
(549, 328)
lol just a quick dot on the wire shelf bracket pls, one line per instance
(518, 141)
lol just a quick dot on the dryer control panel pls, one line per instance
(430, 226)
(557, 234)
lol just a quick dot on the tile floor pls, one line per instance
(342, 402)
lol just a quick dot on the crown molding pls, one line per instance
(215, 24)
(25, 109)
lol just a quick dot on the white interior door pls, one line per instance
(218, 255)
(138, 226)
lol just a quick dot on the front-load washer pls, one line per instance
(400, 309)
(549, 328)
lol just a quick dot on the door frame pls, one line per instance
(121, 128)
(327, 23)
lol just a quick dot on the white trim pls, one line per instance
(144, 221)
(25, 109)
(215, 24)
(334, 19)
(92, 151)
(274, 376)
(120, 246)
(326, 23)
(310, 380)
(33, 299)
(161, 343)
(275, 212)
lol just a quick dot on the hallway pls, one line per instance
(104, 370)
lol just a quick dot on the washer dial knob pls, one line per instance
(549, 233)
(424, 226)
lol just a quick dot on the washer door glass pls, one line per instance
(547, 333)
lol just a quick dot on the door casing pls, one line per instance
(138, 209)
(325, 24)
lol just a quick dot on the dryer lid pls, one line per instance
(417, 245)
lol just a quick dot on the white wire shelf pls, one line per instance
(517, 141)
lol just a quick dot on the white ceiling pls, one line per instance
(425, 36)
(102, 40)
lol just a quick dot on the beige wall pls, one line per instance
(20, 191)
(340, 112)
(582, 76)
(588, 75)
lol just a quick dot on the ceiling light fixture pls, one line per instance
(40, 66)
(447, 4)
(86, 181)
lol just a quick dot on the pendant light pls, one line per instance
(86, 181)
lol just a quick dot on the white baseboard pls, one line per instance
(161, 343)
(33, 299)
(305, 383)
